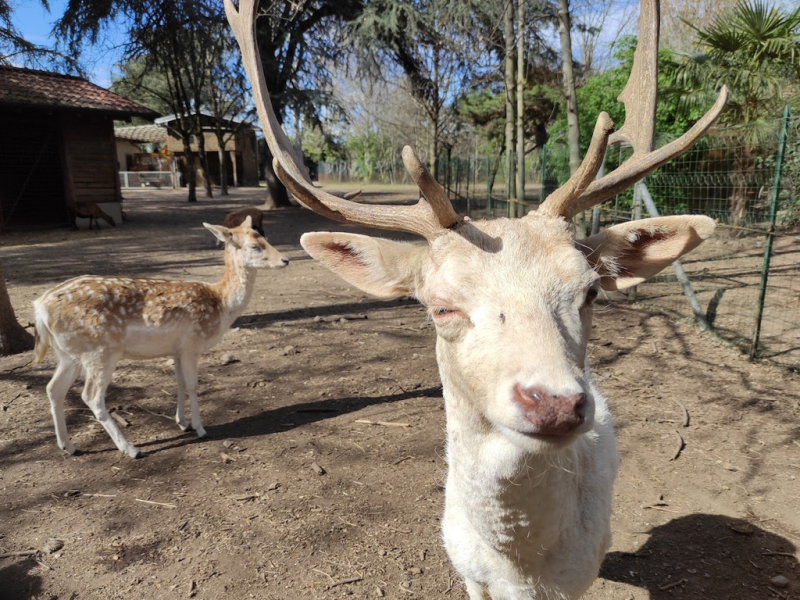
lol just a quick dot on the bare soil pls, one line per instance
(245, 513)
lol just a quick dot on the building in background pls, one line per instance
(57, 147)
(240, 156)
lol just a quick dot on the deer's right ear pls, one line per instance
(223, 234)
(380, 267)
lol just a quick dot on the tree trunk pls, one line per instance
(433, 150)
(201, 151)
(573, 132)
(13, 338)
(277, 195)
(223, 168)
(508, 33)
(743, 163)
(520, 109)
(191, 173)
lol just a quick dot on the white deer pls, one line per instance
(530, 442)
(93, 322)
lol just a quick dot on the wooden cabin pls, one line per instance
(239, 154)
(57, 146)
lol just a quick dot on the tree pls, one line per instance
(510, 83)
(169, 62)
(297, 42)
(754, 48)
(568, 73)
(227, 95)
(14, 48)
(426, 43)
(680, 20)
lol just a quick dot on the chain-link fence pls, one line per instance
(746, 279)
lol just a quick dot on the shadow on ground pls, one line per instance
(703, 556)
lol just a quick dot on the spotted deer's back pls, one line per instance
(109, 309)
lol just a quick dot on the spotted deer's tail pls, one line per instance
(42, 334)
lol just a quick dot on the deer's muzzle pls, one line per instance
(551, 414)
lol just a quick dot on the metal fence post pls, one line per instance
(680, 274)
(773, 209)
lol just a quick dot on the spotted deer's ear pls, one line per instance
(629, 253)
(223, 234)
(380, 267)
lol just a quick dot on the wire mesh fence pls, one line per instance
(746, 279)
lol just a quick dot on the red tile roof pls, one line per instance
(27, 87)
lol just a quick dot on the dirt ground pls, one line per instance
(244, 514)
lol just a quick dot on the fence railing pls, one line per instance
(746, 279)
(140, 179)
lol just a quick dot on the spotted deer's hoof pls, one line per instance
(134, 452)
(185, 427)
(201, 433)
(69, 448)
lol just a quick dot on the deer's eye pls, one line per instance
(255, 248)
(446, 313)
(591, 296)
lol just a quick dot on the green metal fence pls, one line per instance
(746, 279)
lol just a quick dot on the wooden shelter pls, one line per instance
(57, 146)
(240, 152)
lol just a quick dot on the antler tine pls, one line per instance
(431, 190)
(428, 217)
(558, 203)
(639, 97)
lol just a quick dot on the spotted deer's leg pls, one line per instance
(180, 415)
(99, 371)
(475, 590)
(65, 375)
(189, 367)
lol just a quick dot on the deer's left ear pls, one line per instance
(223, 234)
(628, 254)
(383, 268)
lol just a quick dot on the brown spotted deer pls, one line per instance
(93, 322)
(530, 442)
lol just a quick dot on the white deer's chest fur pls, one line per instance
(527, 526)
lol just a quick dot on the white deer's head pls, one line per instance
(511, 299)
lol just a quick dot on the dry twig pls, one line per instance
(669, 586)
(685, 413)
(679, 446)
(384, 423)
(19, 553)
(345, 581)
(120, 419)
(156, 503)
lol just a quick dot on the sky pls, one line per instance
(35, 23)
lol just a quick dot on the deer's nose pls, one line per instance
(551, 414)
(284, 261)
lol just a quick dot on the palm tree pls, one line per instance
(754, 48)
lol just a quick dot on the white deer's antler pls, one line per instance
(429, 217)
(640, 96)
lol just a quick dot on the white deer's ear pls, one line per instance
(627, 254)
(380, 267)
(223, 234)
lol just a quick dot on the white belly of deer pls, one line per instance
(142, 341)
